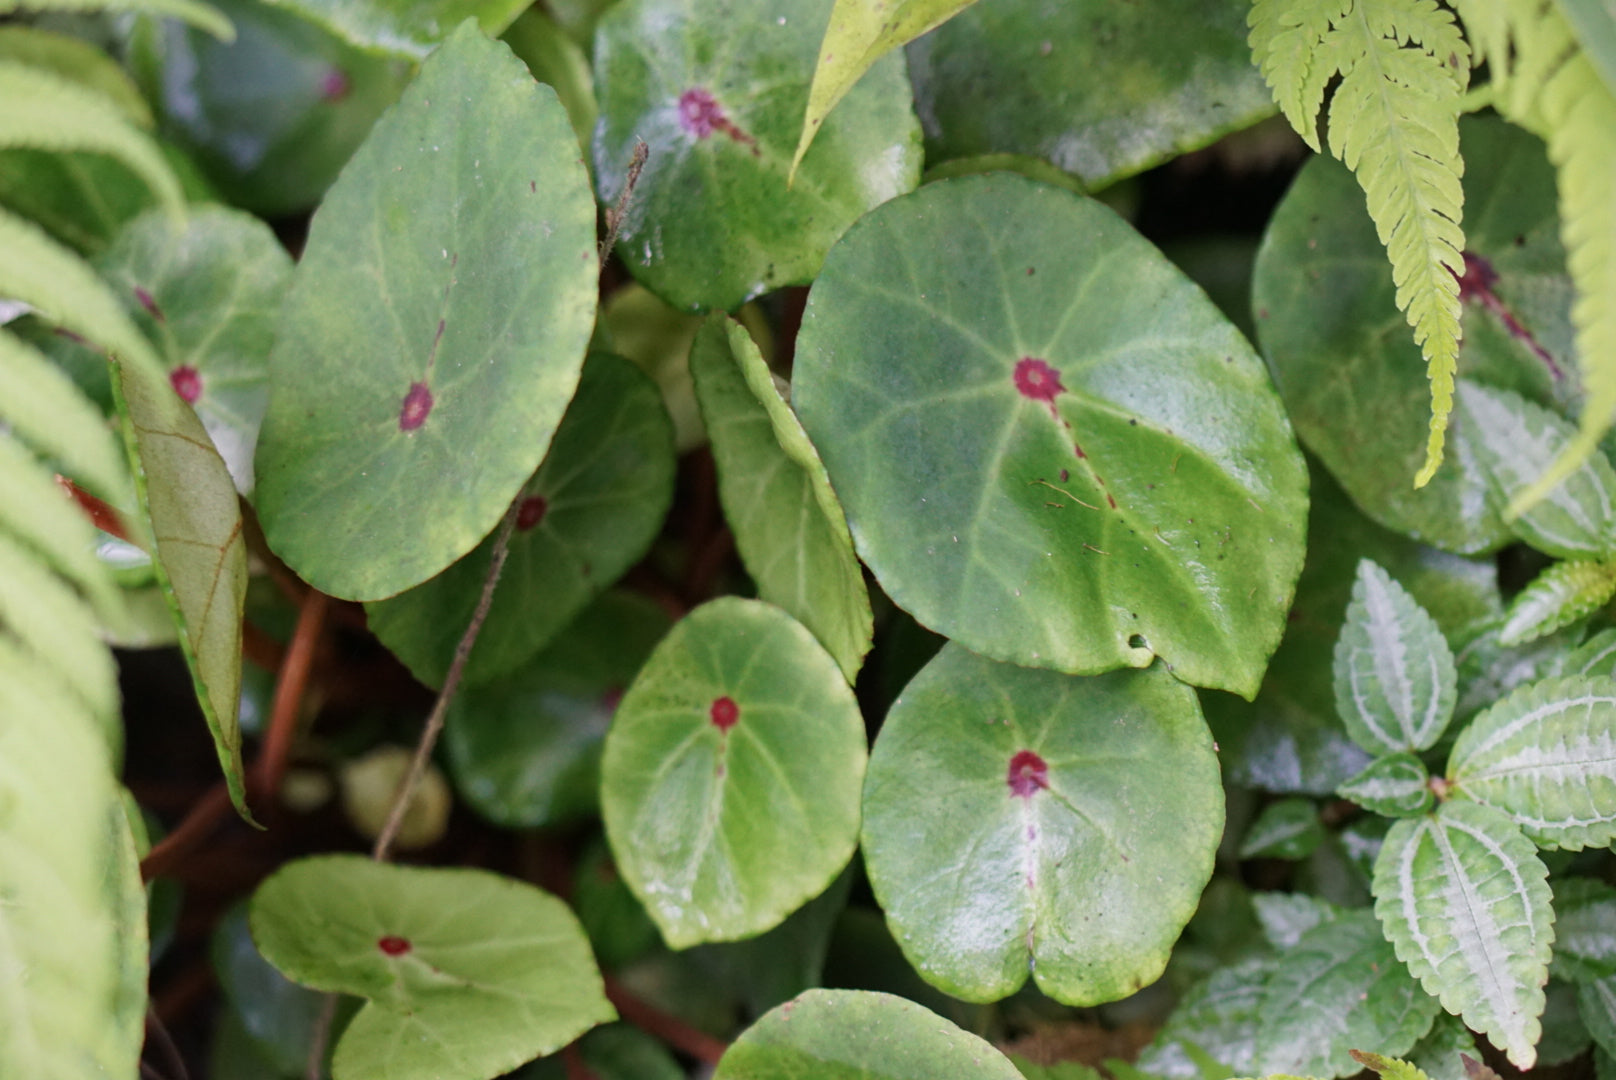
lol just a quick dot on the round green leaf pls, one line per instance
(413, 346)
(1101, 89)
(788, 525)
(738, 742)
(717, 93)
(1050, 445)
(1353, 380)
(525, 749)
(1018, 820)
(859, 1035)
(1396, 785)
(588, 515)
(1287, 829)
(468, 974)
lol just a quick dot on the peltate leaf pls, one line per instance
(412, 345)
(468, 974)
(1559, 596)
(1546, 756)
(1396, 785)
(1584, 929)
(739, 740)
(788, 525)
(1465, 900)
(1287, 829)
(982, 365)
(1395, 683)
(1023, 821)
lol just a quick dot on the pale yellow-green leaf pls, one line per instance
(201, 16)
(41, 406)
(1389, 1068)
(860, 33)
(79, 62)
(41, 517)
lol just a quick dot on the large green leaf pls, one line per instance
(1353, 380)
(787, 522)
(525, 749)
(407, 28)
(1022, 821)
(1395, 683)
(716, 90)
(1546, 756)
(859, 1035)
(1217, 1017)
(586, 516)
(414, 345)
(1103, 90)
(468, 974)
(738, 742)
(1561, 595)
(1465, 900)
(1584, 929)
(1051, 446)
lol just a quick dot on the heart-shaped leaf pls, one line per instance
(525, 748)
(468, 974)
(1287, 829)
(1395, 682)
(1546, 756)
(1584, 929)
(1050, 445)
(412, 345)
(1558, 597)
(739, 741)
(859, 1035)
(1465, 900)
(788, 525)
(589, 513)
(717, 91)
(1396, 785)
(1102, 90)
(407, 28)
(1018, 820)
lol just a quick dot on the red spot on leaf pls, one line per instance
(1036, 380)
(724, 713)
(416, 408)
(701, 115)
(531, 512)
(335, 86)
(1028, 774)
(187, 383)
(1476, 287)
(149, 302)
(393, 945)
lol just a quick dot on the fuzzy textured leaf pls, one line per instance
(1558, 597)
(1396, 785)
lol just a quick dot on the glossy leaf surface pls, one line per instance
(1546, 756)
(1102, 90)
(1396, 785)
(411, 343)
(717, 93)
(1287, 829)
(1561, 595)
(1051, 447)
(468, 974)
(1068, 853)
(277, 1014)
(585, 517)
(787, 522)
(1464, 899)
(738, 741)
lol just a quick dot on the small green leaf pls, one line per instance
(1596, 656)
(585, 517)
(1544, 756)
(1395, 683)
(412, 345)
(1562, 594)
(1218, 1017)
(1596, 1003)
(1389, 1068)
(1023, 821)
(1584, 929)
(788, 525)
(468, 974)
(1465, 900)
(738, 741)
(1396, 785)
(859, 1035)
(406, 28)
(1287, 829)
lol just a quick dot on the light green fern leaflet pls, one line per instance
(1393, 120)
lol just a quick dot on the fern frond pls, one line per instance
(202, 16)
(35, 512)
(79, 62)
(42, 406)
(1394, 122)
(61, 631)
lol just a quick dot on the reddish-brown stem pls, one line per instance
(101, 515)
(188, 834)
(293, 677)
(258, 647)
(670, 1029)
(577, 1068)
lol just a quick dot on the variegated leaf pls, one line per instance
(1396, 785)
(1596, 656)
(1561, 595)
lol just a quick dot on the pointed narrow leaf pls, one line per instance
(1287, 829)
(1546, 756)
(1218, 1017)
(412, 345)
(1395, 682)
(1562, 594)
(1396, 785)
(1465, 900)
(469, 974)
(788, 524)
(738, 742)
(1584, 929)
(1020, 821)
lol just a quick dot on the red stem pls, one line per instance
(101, 515)
(670, 1029)
(276, 748)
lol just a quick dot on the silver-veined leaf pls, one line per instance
(1396, 785)
(1559, 596)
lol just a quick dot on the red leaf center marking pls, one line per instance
(701, 115)
(531, 512)
(416, 408)
(1476, 286)
(335, 86)
(725, 713)
(187, 383)
(1028, 774)
(1037, 381)
(393, 945)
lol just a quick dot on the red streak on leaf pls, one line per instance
(724, 713)
(393, 945)
(149, 302)
(1476, 286)
(1036, 380)
(1028, 774)
(187, 383)
(701, 115)
(416, 408)
(531, 512)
